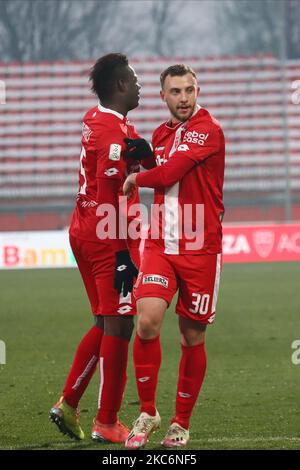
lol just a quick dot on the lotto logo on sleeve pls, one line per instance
(156, 279)
(111, 172)
(194, 137)
(115, 152)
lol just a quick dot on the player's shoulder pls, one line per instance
(91, 114)
(102, 126)
(203, 119)
(95, 117)
(158, 132)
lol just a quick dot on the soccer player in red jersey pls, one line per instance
(108, 266)
(183, 251)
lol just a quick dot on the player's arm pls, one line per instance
(109, 185)
(125, 270)
(183, 160)
(166, 175)
(159, 177)
(108, 195)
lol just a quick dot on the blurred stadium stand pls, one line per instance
(40, 132)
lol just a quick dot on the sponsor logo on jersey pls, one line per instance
(111, 171)
(159, 149)
(115, 152)
(156, 279)
(183, 148)
(194, 137)
(86, 132)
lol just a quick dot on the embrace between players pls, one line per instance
(185, 167)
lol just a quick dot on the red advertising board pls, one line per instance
(255, 243)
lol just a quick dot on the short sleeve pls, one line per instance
(109, 150)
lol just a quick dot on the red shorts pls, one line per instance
(96, 263)
(196, 277)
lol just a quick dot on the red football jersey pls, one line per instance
(188, 186)
(103, 169)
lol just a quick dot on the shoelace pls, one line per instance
(175, 430)
(141, 425)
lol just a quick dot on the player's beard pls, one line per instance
(183, 116)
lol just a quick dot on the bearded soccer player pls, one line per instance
(107, 266)
(186, 256)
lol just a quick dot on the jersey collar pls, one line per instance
(198, 107)
(111, 111)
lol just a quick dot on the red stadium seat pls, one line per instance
(40, 127)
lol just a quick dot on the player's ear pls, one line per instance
(121, 85)
(198, 91)
(162, 95)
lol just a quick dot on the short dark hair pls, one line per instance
(176, 70)
(106, 72)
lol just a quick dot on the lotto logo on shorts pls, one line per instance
(156, 279)
(124, 309)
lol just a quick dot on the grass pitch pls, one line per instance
(250, 398)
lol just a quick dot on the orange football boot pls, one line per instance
(116, 433)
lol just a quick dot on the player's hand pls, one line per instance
(129, 185)
(125, 272)
(138, 149)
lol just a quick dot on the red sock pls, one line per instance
(191, 374)
(113, 365)
(147, 360)
(83, 367)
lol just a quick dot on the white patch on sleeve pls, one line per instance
(86, 132)
(183, 148)
(115, 152)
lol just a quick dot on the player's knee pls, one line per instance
(192, 338)
(128, 329)
(119, 326)
(192, 332)
(148, 327)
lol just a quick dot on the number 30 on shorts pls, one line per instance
(201, 303)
